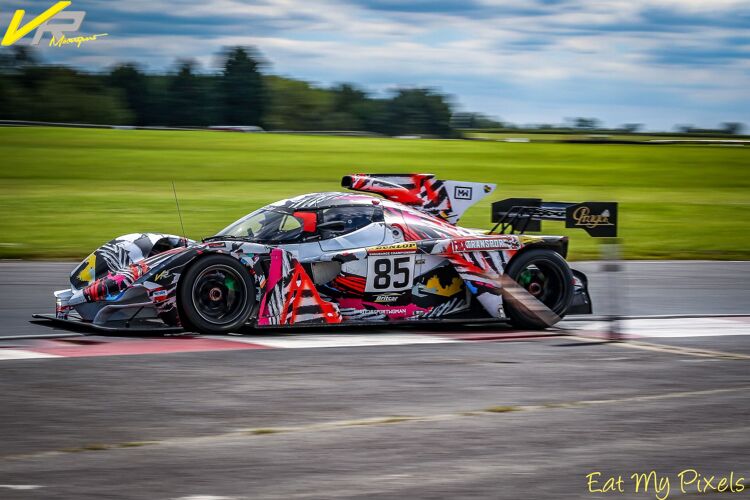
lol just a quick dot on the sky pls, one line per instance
(656, 62)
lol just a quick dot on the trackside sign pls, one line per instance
(56, 21)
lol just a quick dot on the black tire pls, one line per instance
(215, 295)
(545, 275)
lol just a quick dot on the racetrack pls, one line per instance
(521, 417)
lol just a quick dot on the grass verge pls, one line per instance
(63, 192)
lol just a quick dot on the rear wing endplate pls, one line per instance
(519, 215)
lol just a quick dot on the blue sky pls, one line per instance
(658, 62)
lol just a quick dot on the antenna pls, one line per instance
(179, 213)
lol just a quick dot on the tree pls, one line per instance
(134, 86)
(474, 121)
(243, 93)
(582, 123)
(732, 128)
(60, 94)
(632, 128)
(418, 111)
(296, 105)
(17, 57)
(11, 99)
(14, 98)
(464, 120)
(350, 108)
(187, 97)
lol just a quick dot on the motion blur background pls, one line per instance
(643, 102)
(245, 102)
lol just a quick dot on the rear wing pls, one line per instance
(519, 215)
(445, 199)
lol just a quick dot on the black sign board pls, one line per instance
(597, 218)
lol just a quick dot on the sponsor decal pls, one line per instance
(584, 217)
(53, 21)
(62, 310)
(394, 311)
(599, 219)
(463, 193)
(527, 239)
(506, 243)
(386, 298)
(162, 275)
(408, 247)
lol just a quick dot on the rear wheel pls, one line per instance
(215, 295)
(548, 278)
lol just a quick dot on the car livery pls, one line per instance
(391, 251)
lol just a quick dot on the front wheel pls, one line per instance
(215, 295)
(547, 277)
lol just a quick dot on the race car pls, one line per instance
(391, 251)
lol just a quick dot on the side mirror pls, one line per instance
(334, 225)
(309, 221)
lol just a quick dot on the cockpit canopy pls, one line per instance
(284, 224)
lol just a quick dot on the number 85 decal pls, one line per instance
(389, 273)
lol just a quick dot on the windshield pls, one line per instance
(266, 225)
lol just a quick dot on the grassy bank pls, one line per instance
(65, 191)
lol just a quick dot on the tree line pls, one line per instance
(240, 93)
(243, 92)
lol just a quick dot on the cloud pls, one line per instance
(527, 60)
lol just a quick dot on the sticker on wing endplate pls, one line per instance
(389, 273)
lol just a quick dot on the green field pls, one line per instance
(63, 192)
(551, 137)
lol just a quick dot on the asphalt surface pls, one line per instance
(509, 419)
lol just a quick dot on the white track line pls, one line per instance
(204, 497)
(670, 328)
(336, 340)
(7, 354)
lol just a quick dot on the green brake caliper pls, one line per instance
(525, 278)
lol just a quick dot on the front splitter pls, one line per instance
(134, 326)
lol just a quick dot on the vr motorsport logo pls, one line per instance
(53, 21)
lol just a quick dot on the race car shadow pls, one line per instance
(444, 327)
(402, 327)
